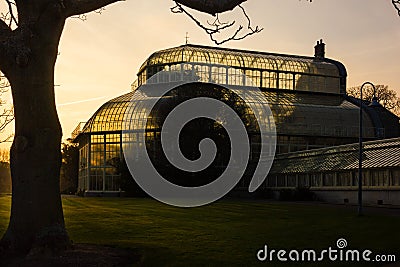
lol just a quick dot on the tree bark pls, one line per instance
(37, 219)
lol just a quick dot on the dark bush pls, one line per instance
(286, 195)
(264, 193)
(303, 194)
(298, 194)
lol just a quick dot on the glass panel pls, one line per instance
(96, 179)
(395, 178)
(112, 183)
(329, 179)
(344, 179)
(281, 180)
(203, 72)
(253, 78)
(269, 79)
(219, 75)
(286, 81)
(291, 180)
(303, 180)
(379, 178)
(97, 139)
(315, 179)
(365, 177)
(235, 77)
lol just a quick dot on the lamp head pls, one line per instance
(374, 102)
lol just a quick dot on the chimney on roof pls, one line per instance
(319, 50)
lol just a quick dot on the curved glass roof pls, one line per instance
(244, 68)
(241, 59)
(295, 114)
(109, 117)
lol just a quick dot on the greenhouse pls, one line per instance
(332, 173)
(306, 95)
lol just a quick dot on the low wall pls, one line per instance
(372, 197)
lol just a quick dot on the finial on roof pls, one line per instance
(187, 37)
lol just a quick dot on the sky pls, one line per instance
(99, 57)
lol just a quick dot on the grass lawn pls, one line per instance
(226, 233)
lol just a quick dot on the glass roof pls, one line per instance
(110, 116)
(294, 113)
(376, 154)
(241, 59)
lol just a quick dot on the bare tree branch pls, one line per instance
(8, 139)
(211, 7)
(12, 17)
(7, 114)
(83, 17)
(78, 7)
(396, 4)
(179, 9)
(5, 28)
(217, 26)
(6, 118)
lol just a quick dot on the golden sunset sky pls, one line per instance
(99, 57)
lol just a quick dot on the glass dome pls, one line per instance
(264, 70)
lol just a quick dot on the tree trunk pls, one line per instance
(36, 211)
(37, 219)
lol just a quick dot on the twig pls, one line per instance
(10, 11)
(207, 30)
(83, 17)
(396, 4)
(219, 26)
(217, 22)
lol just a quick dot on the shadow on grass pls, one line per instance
(91, 255)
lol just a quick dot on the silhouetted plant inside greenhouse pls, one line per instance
(128, 186)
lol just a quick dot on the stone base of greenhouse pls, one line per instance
(349, 196)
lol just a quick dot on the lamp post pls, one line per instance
(360, 149)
